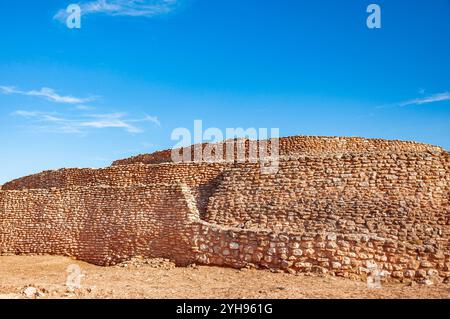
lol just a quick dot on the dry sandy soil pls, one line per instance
(158, 279)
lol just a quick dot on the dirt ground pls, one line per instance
(47, 277)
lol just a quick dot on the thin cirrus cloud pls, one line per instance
(427, 100)
(46, 93)
(434, 98)
(56, 123)
(133, 8)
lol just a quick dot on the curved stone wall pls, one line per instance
(404, 196)
(201, 178)
(341, 213)
(296, 145)
(107, 225)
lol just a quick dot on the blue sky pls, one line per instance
(135, 71)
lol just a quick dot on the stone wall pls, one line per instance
(107, 225)
(201, 178)
(290, 146)
(353, 256)
(338, 213)
(404, 196)
(101, 225)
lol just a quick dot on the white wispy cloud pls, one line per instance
(428, 99)
(134, 8)
(83, 107)
(434, 98)
(47, 93)
(53, 122)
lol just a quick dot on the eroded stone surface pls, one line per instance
(336, 206)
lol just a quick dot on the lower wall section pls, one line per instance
(352, 256)
(101, 225)
(106, 225)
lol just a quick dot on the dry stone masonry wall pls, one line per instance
(341, 209)
(291, 145)
(101, 225)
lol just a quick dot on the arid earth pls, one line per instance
(47, 277)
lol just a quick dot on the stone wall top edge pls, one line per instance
(311, 154)
(152, 187)
(289, 145)
(223, 164)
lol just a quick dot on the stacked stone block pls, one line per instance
(337, 209)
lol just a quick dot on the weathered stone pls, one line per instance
(297, 252)
(350, 201)
(336, 265)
